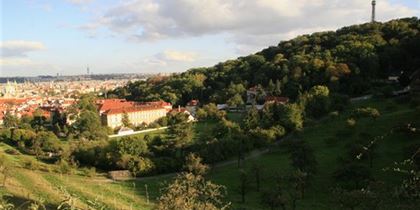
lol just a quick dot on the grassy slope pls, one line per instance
(318, 195)
(28, 184)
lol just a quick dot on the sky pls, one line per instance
(50, 37)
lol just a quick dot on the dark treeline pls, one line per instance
(349, 61)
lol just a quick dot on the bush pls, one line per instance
(366, 112)
(11, 151)
(31, 164)
(64, 167)
(351, 122)
(331, 141)
(344, 133)
(89, 172)
(352, 175)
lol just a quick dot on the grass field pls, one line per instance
(25, 184)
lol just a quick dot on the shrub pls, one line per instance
(334, 114)
(64, 167)
(344, 133)
(89, 172)
(366, 112)
(331, 141)
(351, 122)
(11, 151)
(31, 164)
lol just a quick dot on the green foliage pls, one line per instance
(210, 112)
(352, 175)
(345, 61)
(126, 120)
(367, 112)
(132, 146)
(180, 130)
(190, 190)
(10, 120)
(317, 102)
(88, 125)
(302, 157)
(252, 119)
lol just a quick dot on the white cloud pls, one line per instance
(19, 48)
(15, 66)
(79, 2)
(178, 56)
(145, 20)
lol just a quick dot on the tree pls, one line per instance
(302, 157)
(291, 116)
(252, 119)
(210, 112)
(180, 130)
(271, 88)
(194, 165)
(277, 90)
(88, 125)
(38, 120)
(126, 120)
(10, 120)
(190, 190)
(317, 101)
(352, 175)
(243, 184)
(300, 180)
(257, 168)
(236, 101)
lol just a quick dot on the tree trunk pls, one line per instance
(257, 175)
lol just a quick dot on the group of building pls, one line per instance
(67, 89)
(111, 111)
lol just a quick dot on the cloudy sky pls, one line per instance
(40, 37)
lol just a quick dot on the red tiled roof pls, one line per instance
(109, 104)
(13, 100)
(192, 103)
(132, 109)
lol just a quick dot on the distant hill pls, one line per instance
(349, 61)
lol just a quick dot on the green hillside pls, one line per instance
(41, 184)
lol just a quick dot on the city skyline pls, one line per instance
(149, 36)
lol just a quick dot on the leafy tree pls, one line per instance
(257, 169)
(243, 184)
(291, 116)
(10, 120)
(126, 120)
(236, 101)
(180, 131)
(88, 125)
(352, 175)
(252, 119)
(193, 165)
(210, 112)
(190, 190)
(302, 157)
(132, 146)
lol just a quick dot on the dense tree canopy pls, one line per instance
(345, 61)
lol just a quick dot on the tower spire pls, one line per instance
(373, 10)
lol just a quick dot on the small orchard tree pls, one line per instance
(302, 157)
(258, 170)
(190, 190)
(126, 120)
(243, 184)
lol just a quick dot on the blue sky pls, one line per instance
(151, 36)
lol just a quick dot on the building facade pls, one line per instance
(112, 112)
